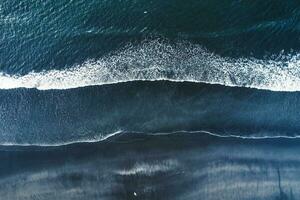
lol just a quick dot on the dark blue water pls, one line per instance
(149, 99)
(43, 35)
(56, 117)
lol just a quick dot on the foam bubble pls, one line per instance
(155, 60)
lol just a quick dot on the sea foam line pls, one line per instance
(251, 137)
(155, 60)
(136, 133)
(82, 141)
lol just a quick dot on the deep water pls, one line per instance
(43, 35)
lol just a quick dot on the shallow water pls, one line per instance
(179, 166)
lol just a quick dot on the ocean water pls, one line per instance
(139, 99)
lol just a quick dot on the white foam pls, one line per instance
(149, 168)
(154, 60)
(98, 138)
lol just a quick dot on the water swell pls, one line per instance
(157, 60)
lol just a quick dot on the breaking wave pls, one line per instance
(161, 60)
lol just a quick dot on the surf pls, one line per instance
(179, 62)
